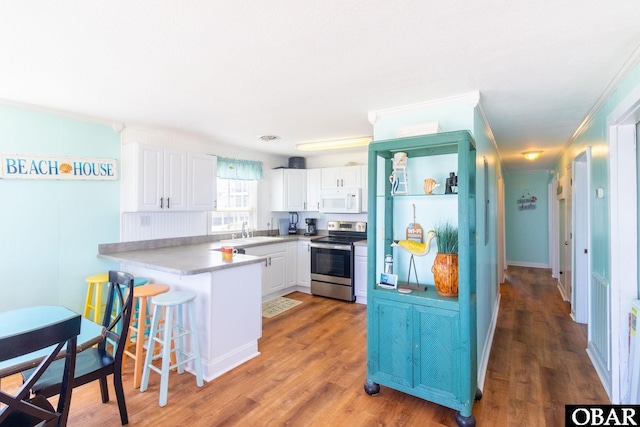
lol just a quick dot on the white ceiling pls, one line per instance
(312, 70)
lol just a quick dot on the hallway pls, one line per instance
(538, 361)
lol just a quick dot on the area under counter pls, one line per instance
(228, 297)
(228, 312)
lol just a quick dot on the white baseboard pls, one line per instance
(562, 294)
(484, 360)
(528, 264)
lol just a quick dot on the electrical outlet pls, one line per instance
(145, 221)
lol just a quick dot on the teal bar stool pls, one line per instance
(137, 281)
(173, 332)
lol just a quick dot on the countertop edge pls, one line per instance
(113, 248)
(247, 260)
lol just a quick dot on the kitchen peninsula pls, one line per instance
(229, 293)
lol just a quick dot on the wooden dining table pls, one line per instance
(22, 320)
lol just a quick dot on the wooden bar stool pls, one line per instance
(172, 330)
(94, 301)
(138, 326)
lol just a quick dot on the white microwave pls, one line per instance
(340, 200)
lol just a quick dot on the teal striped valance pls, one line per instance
(244, 170)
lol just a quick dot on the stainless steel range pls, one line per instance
(332, 260)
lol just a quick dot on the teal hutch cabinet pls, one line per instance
(419, 342)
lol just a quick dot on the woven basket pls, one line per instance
(445, 274)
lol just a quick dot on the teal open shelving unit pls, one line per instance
(422, 343)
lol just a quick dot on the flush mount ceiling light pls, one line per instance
(531, 155)
(333, 144)
(268, 138)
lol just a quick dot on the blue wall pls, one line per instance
(51, 228)
(527, 237)
(595, 135)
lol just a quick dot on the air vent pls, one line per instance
(269, 137)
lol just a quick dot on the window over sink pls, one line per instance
(237, 203)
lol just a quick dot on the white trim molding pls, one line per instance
(623, 234)
(527, 264)
(472, 98)
(484, 358)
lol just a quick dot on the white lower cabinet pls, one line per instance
(360, 274)
(291, 262)
(273, 266)
(279, 267)
(304, 265)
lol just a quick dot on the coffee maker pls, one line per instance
(312, 227)
(293, 222)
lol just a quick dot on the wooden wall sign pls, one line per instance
(17, 166)
(414, 230)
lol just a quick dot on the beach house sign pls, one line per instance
(17, 166)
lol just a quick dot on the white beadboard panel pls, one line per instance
(162, 225)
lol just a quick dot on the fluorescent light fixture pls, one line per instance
(337, 143)
(531, 155)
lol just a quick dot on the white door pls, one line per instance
(313, 189)
(304, 264)
(580, 215)
(351, 177)
(568, 233)
(502, 262)
(562, 242)
(175, 180)
(276, 271)
(330, 178)
(202, 182)
(151, 178)
(295, 189)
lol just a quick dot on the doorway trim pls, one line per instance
(581, 212)
(623, 234)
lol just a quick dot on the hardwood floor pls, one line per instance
(313, 366)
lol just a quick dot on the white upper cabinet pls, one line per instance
(163, 179)
(288, 189)
(313, 189)
(202, 182)
(175, 180)
(339, 177)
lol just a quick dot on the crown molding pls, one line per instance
(624, 71)
(487, 129)
(56, 112)
(471, 98)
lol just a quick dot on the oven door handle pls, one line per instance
(330, 246)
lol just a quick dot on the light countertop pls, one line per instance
(186, 256)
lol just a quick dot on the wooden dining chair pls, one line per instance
(98, 362)
(20, 409)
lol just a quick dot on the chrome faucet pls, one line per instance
(245, 232)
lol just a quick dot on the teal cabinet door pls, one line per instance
(437, 351)
(391, 340)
